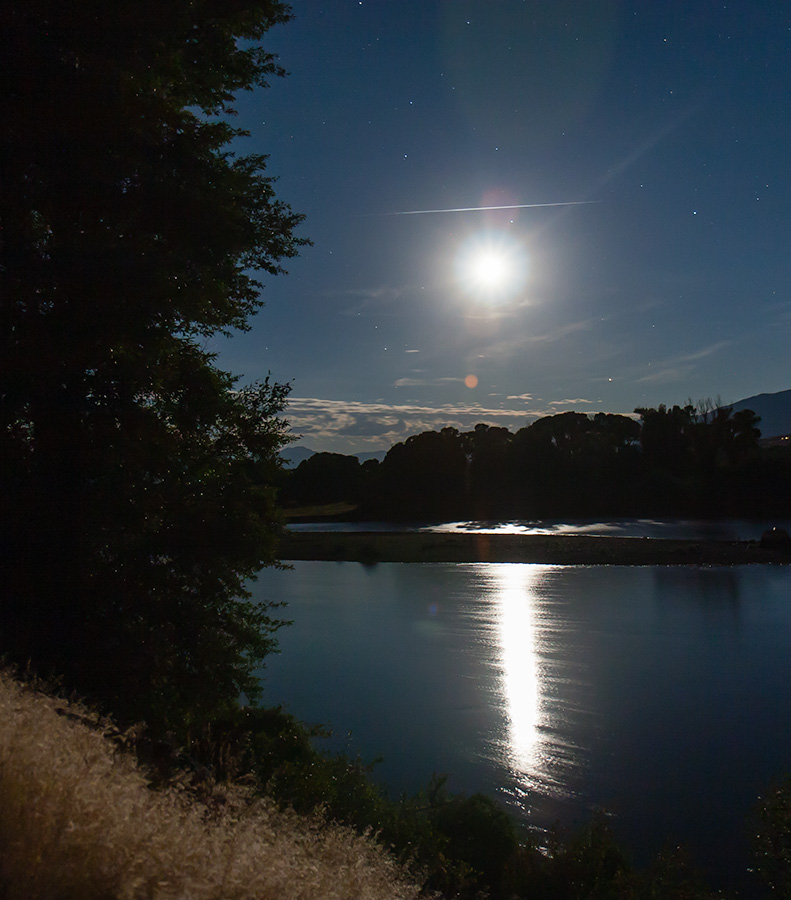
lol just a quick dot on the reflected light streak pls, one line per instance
(515, 583)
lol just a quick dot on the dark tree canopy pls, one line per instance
(703, 460)
(136, 498)
(324, 478)
(424, 476)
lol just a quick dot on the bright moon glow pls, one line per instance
(491, 266)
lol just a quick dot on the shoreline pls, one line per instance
(584, 550)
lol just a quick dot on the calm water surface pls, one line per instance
(659, 694)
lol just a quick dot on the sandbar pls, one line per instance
(424, 546)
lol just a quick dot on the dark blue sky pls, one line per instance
(674, 119)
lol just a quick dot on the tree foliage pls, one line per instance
(137, 493)
(703, 460)
(772, 837)
(424, 476)
(324, 478)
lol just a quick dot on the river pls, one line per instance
(657, 694)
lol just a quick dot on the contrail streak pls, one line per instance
(424, 212)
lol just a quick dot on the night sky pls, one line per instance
(665, 126)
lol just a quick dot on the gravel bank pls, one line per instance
(371, 547)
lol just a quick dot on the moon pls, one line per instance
(491, 267)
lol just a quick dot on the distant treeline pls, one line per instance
(697, 460)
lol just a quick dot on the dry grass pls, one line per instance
(78, 821)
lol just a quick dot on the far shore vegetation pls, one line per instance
(701, 460)
(139, 497)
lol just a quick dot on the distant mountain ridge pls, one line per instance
(293, 456)
(774, 410)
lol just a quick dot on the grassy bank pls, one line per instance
(371, 547)
(78, 821)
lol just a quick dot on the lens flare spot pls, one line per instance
(471, 381)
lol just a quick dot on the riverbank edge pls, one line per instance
(567, 550)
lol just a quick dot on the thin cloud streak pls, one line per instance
(678, 367)
(380, 292)
(362, 299)
(508, 346)
(459, 209)
(645, 146)
(423, 382)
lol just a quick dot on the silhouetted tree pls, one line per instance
(324, 478)
(488, 476)
(698, 458)
(136, 498)
(666, 437)
(424, 476)
(722, 438)
(575, 464)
